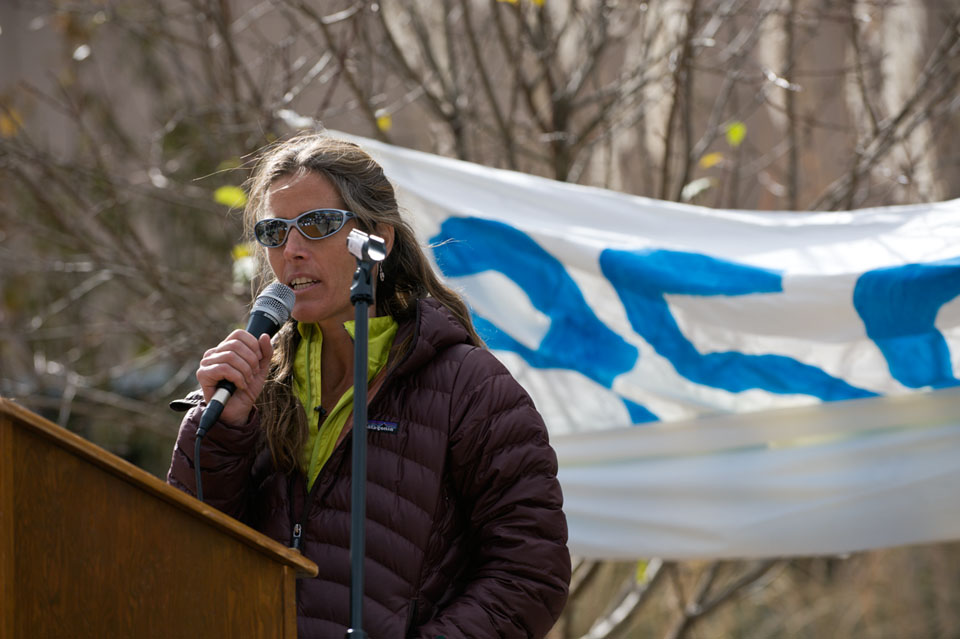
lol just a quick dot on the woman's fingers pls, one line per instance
(266, 355)
(240, 358)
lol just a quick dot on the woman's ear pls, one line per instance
(385, 231)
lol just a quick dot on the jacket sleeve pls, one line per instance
(505, 469)
(226, 459)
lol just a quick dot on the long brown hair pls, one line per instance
(408, 274)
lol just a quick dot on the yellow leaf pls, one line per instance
(736, 132)
(641, 575)
(241, 250)
(711, 159)
(508, 1)
(10, 122)
(539, 3)
(384, 120)
(232, 196)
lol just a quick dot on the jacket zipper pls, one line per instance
(298, 525)
(411, 617)
(296, 537)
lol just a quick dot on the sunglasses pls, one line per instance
(313, 225)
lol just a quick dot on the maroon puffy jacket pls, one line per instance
(465, 535)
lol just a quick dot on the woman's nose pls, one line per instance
(296, 245)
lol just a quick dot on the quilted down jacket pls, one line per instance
(465, 533)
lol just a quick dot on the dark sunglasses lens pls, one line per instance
(319, 224)
(271, 232)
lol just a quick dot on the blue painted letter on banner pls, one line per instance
(576, 339)
(642, 278)
(899, 307)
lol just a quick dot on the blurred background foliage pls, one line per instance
(127, 128)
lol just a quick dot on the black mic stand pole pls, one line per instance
(368, 249)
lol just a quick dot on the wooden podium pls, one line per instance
(92, 546)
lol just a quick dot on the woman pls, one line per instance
(465, 536)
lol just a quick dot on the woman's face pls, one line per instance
(319, 271)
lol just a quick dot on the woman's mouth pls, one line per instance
(300, 283)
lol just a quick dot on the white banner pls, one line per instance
(716, 383)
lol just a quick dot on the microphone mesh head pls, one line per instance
(276, 301)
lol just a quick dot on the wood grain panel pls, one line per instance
(7, 585)
(93, 549)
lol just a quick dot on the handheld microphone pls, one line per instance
(270, 310)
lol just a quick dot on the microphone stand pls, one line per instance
(368, 249)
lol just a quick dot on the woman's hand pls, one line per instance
(242, 359)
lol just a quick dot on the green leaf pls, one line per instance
(232, 196)
(736, 131)
(229, 163)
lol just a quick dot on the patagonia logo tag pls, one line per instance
(383, 427)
